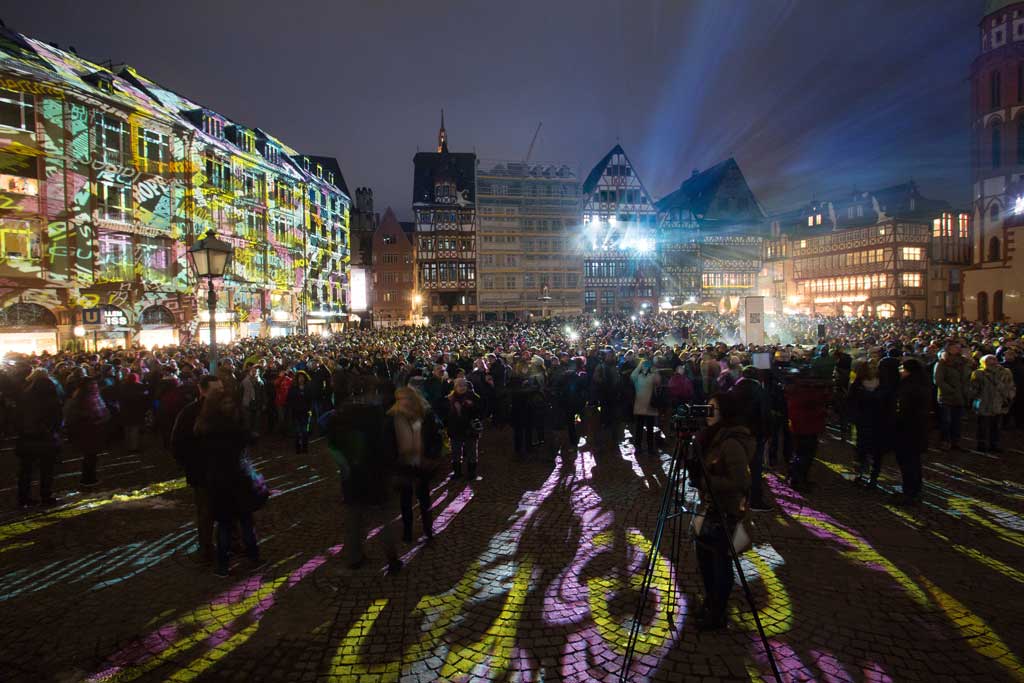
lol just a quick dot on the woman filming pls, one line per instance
(726, 448)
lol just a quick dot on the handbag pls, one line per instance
(742, 535)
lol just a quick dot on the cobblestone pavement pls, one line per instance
(533, 576)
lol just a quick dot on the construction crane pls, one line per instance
(529, 152)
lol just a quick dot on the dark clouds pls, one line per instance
(810, 97)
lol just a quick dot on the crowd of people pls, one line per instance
(399, 406)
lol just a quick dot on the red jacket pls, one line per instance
(807, 407)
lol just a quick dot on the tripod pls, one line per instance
(673, 507)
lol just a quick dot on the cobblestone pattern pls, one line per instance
(533, 576)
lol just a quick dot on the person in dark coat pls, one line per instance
(172, 400)
(300, 406)
(133, 397)
(912, 403)
(866, 405)
(87, 418)
(223, 440)
(462, 412)
(571, 390)
(38, 420)
(755, 415)
(185, 447)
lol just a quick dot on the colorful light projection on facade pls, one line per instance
(967, 626)
(130, 179)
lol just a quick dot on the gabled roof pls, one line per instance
(331, 164)
(457, 166)
(389, 224)
(595, 173)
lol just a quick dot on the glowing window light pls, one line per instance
(1018, 205)
(613, 220)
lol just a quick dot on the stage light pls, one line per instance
(644, 245)
(573, 335)
(644, 305)
(597, 324)
(633, 318)
(612, 220)
(691, 300)
(1018, 205)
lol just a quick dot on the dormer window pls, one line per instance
(305, 163)
(272, 154)
(319, 171)
(213, 126)
(330, 177)
(101, 80)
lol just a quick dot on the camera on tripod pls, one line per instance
(691, 417)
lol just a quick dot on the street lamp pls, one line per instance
(210, 258)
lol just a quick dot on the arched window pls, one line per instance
(997, 145)
(885, 310)
(993, 213)
(982, 307)
(997, 306)
(993, 249)
(908, 311)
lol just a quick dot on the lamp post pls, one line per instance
(417, 301)
(210, 258)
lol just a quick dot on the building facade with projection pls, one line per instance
(528, 219)
(891, 253)
(710, 239)
(108, 177)
(617, 238)
(444, 204)
(993, 283)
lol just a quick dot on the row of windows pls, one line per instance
(852, 283)
(728, 280)
(554, 281)
(428, 244)
(853, 258)
(505, 260)
(392, 278)
(620, 196)
(447, 272)
(943, 226)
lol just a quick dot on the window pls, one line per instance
(607, 298)
(213, 126)
(115, 260)
(510, 281)
(589, 299)
(995, 87)
(997, 145)
(388, 239)
(964, 223)
(993, 249)
(817, 219)
(388, 297)
(993, 213)
(529, 281)
(218, 174)
(572, 280)
(488, 281)
(389, 258)
(910, 279)
(912, 253)
(113, 140)
(114, 202)
(153, 149)
(849, 212)
(810, 221)
(17, 110)
(18, 240)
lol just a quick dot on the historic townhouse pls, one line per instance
(107, 177)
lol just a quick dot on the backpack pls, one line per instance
(436, 443)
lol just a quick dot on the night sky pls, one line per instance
(812, 97)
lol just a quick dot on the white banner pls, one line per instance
(753, 320)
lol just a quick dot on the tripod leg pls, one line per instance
(668, 498)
